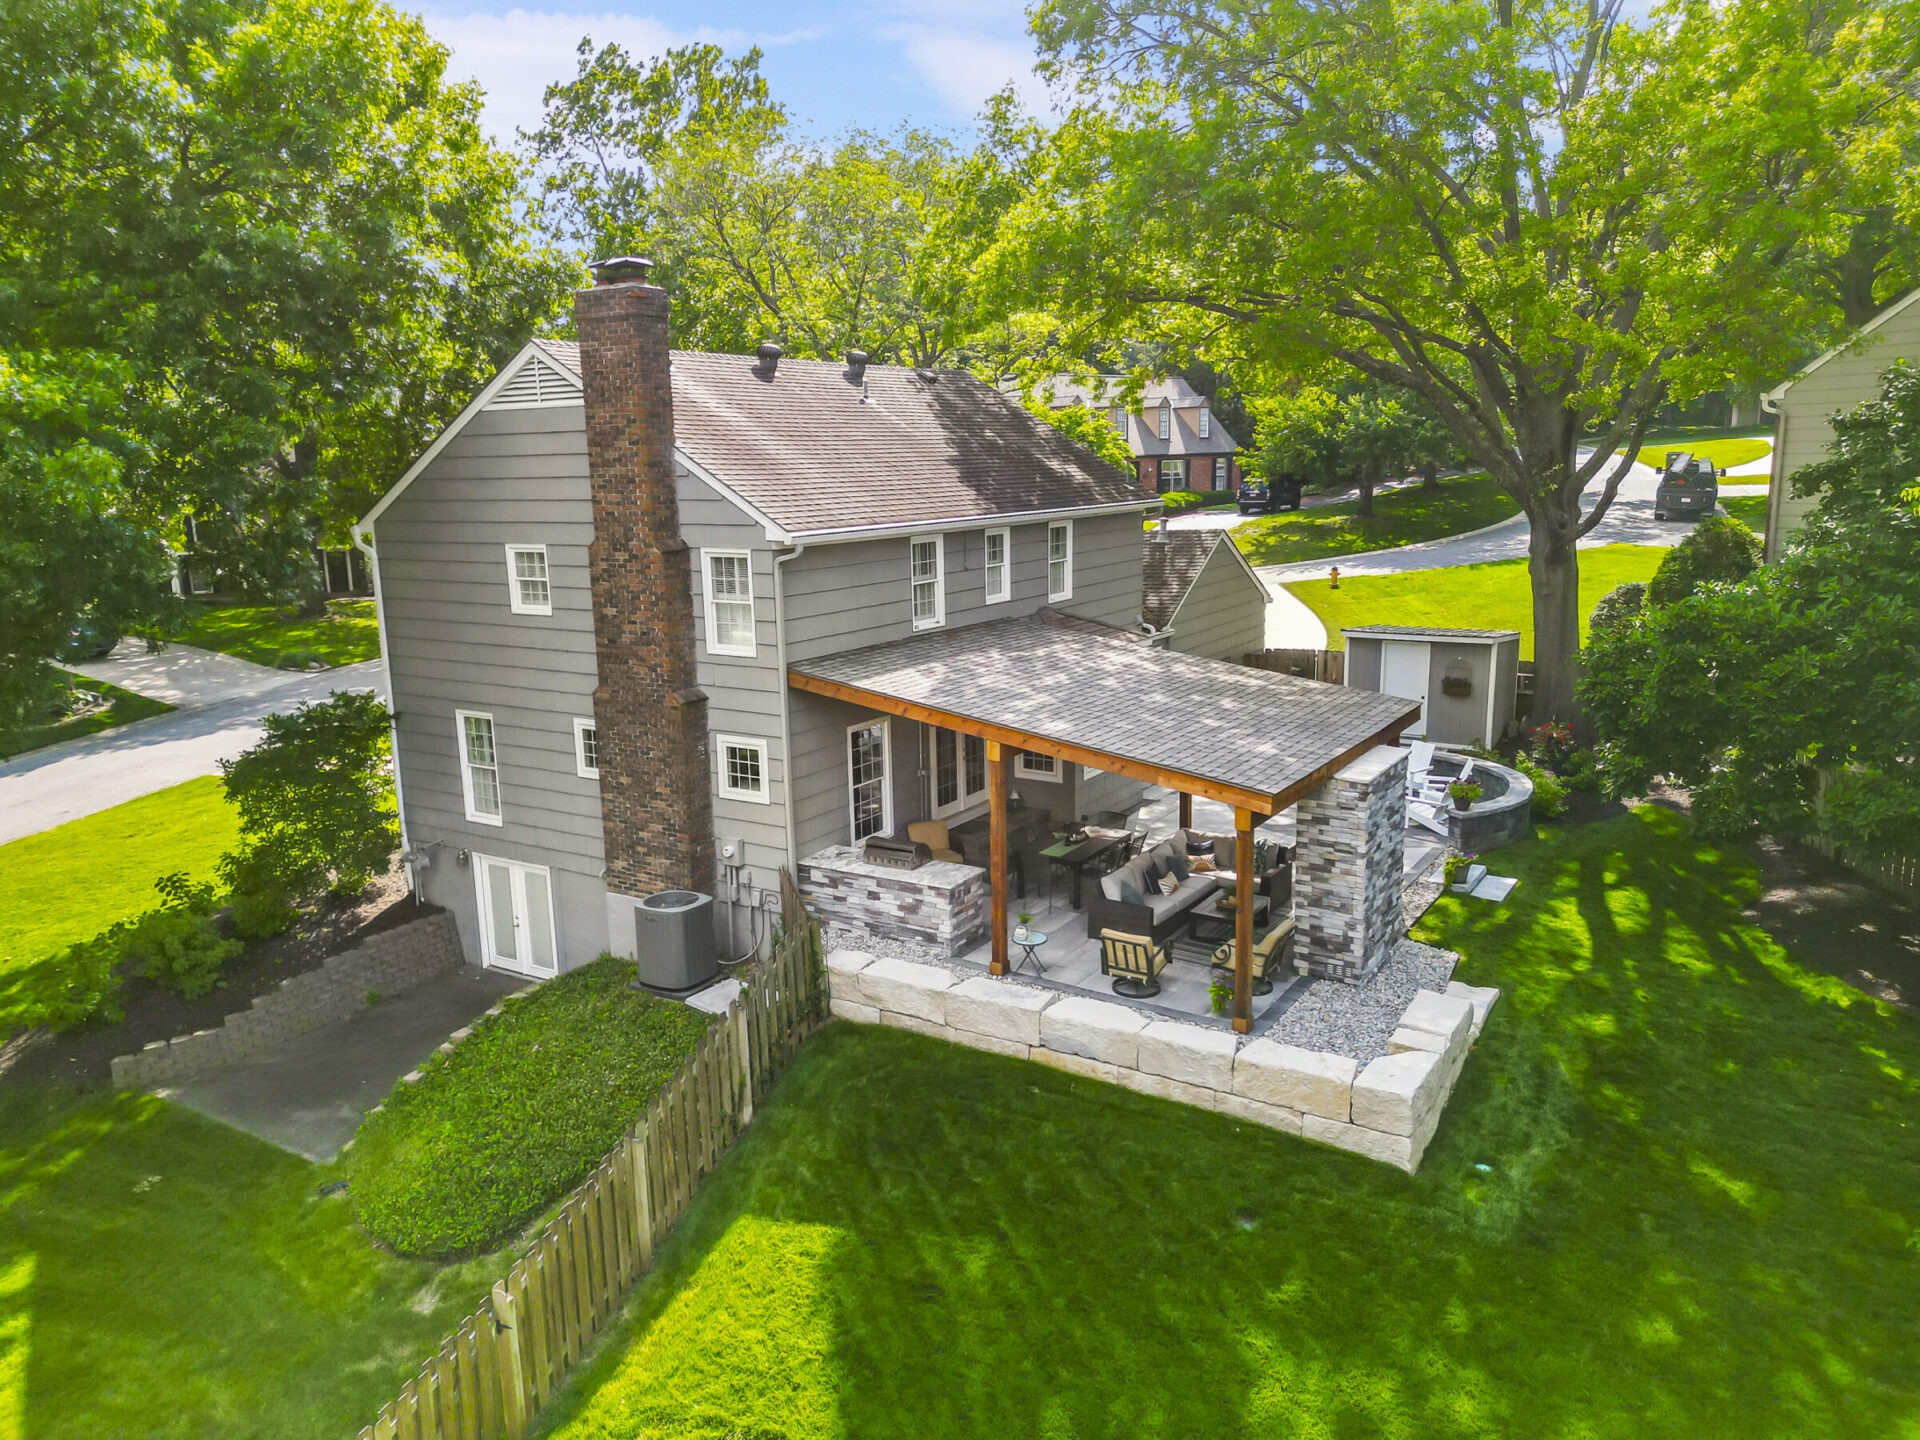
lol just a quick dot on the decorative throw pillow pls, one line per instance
(1180, 865)
(1198, 844)
(1169, 883)
(1130, 894)
(1202, 864)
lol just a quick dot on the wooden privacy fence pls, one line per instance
(504, 1360)
(1327, 665)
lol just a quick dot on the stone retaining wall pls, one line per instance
(390, 962)
(1387, 1110)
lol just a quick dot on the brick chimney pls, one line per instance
(656, 801)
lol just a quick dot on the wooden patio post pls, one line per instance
(1186, 811)
(1245, 890)
(997, 851)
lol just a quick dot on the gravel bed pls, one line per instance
(856, 937)
(1356, 1020)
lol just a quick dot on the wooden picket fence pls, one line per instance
(503, 1361)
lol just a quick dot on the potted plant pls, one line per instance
(1458, 686)
(1219, 996)
(1463, 794)
(1020, 930)
(1457, 866)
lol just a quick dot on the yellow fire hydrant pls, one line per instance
(1335, 577)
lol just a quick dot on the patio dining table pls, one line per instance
(1078, 857)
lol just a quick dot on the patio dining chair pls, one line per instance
(1134, 961)
(1270, 952)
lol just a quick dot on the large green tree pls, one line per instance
(1788, 699)
(286, 230)
(1541, 217)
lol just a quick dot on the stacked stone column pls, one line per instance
(1348, 858)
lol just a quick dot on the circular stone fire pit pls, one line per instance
(1502, 814)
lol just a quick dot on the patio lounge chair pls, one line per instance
(933, 835)
(1270, 952)
(1135, 962)
(1426, 814)
(1419, 765)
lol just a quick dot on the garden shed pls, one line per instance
(1464, 680)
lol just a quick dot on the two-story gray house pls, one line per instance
(609, 523)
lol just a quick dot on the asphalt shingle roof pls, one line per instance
(1050, 677)
(1173, 561)
(814, 451)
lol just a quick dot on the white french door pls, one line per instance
(1404, 665)
(959, 772)
(516, 916)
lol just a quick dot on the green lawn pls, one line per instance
(1719, 447)
(1493, 596)
(70, 883)
(121, 706)
(1677, 1193)
(165, 1277)
(1402, 517)
(1749, 510)
(346, 634)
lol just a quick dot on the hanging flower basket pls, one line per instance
(1458, 686)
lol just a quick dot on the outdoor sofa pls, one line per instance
(1130, 900)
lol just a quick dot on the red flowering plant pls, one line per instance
(1552, 744)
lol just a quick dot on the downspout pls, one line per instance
(364, 544)
(786, 696)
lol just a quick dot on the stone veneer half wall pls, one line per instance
(1387, 1110)
(939, 903)
(1348, 857)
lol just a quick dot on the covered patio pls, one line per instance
(1255, 742)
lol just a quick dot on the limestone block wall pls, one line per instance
(1387, 1110)
(1349, 844)
(390, 962)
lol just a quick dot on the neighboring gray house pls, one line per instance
(1175, 441)
(1839, 380)
(1199, 590)
(813, 509)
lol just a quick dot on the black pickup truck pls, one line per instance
(1688, 486)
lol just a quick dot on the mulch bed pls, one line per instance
(83, 1058)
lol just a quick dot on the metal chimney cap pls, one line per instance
(620, 270)
(769, 354)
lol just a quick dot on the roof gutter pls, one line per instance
(972, 522)
(786, 696)
(363, 542)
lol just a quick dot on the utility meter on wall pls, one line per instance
(731, 854)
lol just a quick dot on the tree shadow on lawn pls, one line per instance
(1696, 1217)
(164, 1276)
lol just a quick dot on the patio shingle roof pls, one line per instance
(1090, 693)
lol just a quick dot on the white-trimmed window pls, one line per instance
(529, 591)
(1222, 468)
(1119, 419)
(926, 564)
(479, 766)
(586, 749)
(1060, 560)
(1166, 420)
(999, 566)
(868, 780)
(729, 601)
(1206, 421)
(743, 768)
(1029, 766)
(1173, 475)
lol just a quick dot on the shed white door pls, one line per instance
(1404, 665)
(516, 916)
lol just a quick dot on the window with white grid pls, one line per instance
(1060, 560)
(1206, 422)
(929, 601)
(729, 602)
(999, 568)
(479, 766)
(1166, 420)
(743, 768)
(586, 749)
(867, 778)
(528, 589)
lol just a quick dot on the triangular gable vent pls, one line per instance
(537, 383)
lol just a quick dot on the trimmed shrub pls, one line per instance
(76, 987)
(1618, 608)
(1718, 550)
(1549, 794)
(518, 1114)
(178, 946)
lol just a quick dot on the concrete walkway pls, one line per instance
(219, 718)
(184, 675)
(311, 1097)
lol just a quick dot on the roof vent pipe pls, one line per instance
(769, 354)
(856, 364)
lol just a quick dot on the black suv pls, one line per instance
(1687, 487)
(1258, 498)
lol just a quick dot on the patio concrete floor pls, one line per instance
(311, 1096)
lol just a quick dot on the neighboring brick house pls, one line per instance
(1174, 438)
(1839, 380)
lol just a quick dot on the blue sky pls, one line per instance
(872, 63)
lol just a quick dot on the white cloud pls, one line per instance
(965, 69)
(515, 56)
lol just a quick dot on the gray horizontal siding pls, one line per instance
(1224, 614)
